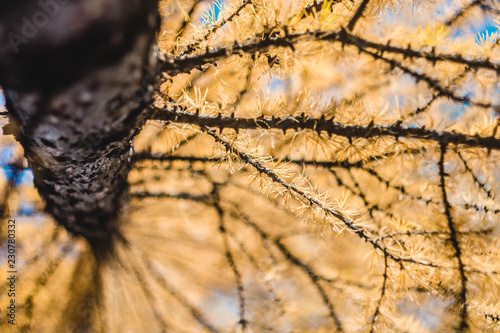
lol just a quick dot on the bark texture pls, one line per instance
(76, 92)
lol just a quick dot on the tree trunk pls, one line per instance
(77, 77)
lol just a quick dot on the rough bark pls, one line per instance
(76, 92)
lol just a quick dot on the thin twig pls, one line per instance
(383, 289)
(357, 15)
(193, 46)
(230, 259)
(308, 270)
(462, 296)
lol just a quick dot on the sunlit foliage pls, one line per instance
(307, 167)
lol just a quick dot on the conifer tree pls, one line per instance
(326, 166)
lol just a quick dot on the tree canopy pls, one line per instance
(326, 166)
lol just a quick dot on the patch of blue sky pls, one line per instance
(280, 85)
(6, 155)
(23, 176)
(212, 14)
(477, 28)
(17, 176)
(489, 27)
(223, 308)
(444, 8)
(453, 110)
(277, 85)
(429, 313)
(2, 99)
(26, 208)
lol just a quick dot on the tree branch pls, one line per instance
(357, 15)
(311, 200)
(185, 63)
(462, 296)
(383, 290)
(322, 125)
